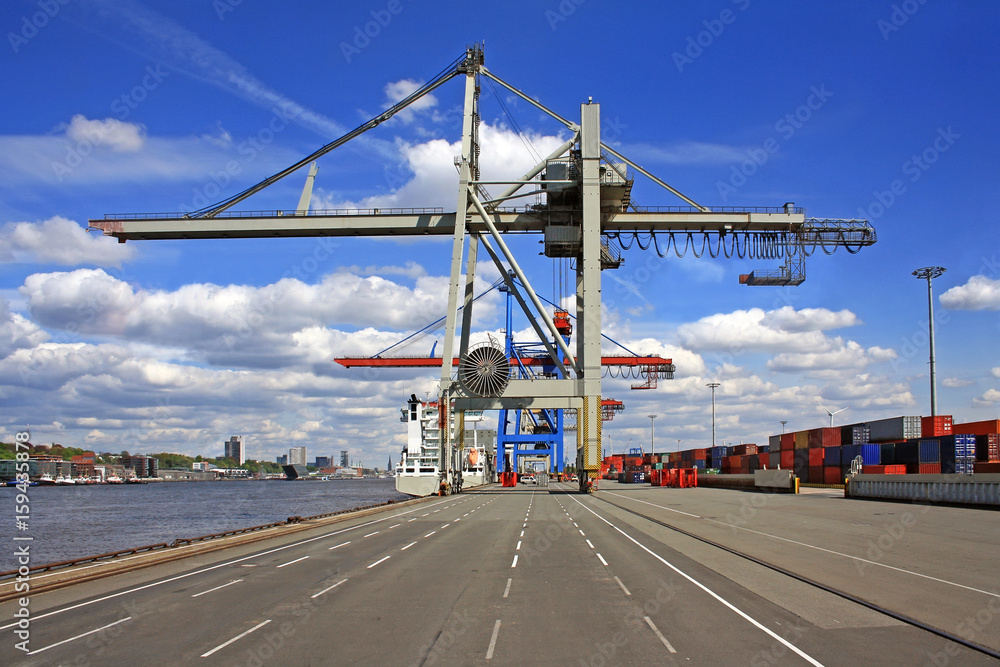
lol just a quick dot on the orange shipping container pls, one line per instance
(978, 428)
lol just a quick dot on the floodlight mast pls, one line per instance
(596, 204)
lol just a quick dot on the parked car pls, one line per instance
(528, 479)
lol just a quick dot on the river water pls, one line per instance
(69, 522)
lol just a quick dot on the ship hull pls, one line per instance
(417, 485)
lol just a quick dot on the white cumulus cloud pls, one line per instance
(115, 134)
(59, 241)
(979, 293)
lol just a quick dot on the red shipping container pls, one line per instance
(787, 441)
(936, 426)
(743, 450)
(824, 437)
(832, 475)
(987, 467)
(873, 470)
(700, 454)
(815, 458)
(734, 461)
(814, 475)
(978, 428)
(930, 469)
(787, 459)
(895, 470)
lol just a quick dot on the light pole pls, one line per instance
(783, 422)
(678, 444)
(713, 386)
(651, 418)
(929, 273)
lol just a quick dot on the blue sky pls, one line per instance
(879, 110)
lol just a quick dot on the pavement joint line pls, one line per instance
(802, 654)
(236, 638)
(514, 564)
(343, 544)
(829, 551)
(599, 556)
(378, 561)
(326, 590)
(627, 592)
(659, 634)
(506, 591)
(493, 640)
(210, 590)
(408, 546)
(66, 641)
(292, 561)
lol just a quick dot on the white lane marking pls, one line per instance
(293, 561)
(602, 559)
(430, 533)
(370, 534)
(522, 534)
(582, 533)
(590, 544)
(514, 564)
(342, 544)
(236, 638)
(623, 586)
(575, 525)
(444, 526)
(659, 634)
(66, 641)
(507, 590)
(408, 546)
(524, 525)
(213, 567)
(518, 547)
(802, 654)
(428, 514)
(829, 551)
(413, 519)
(380, 560)
(457, 519)
(436, 511)
(493, 640)
(234, 581)
(327, 590)
(396, 526)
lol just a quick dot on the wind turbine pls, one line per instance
(833, 413)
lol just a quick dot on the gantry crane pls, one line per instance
(587, 214)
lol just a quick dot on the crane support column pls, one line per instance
(467, 169)
(588, 300)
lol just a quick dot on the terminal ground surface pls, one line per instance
(534, 575)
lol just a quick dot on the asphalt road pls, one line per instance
(539, 576)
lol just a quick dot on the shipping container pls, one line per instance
(718, 453)
(929, 469)
(801, 439)
(888, 453)
(774, 442)
(987, 467)
(831, 457)
(873, 470)
(774, 460)
(988, 447)
(895, 470)
(871, 455)
(861, 435)
(931, 427)
(824, 437)
(788, 441)
(907, 453)
(765, 449)
(816, 457)
(832, 475)
(978, 428)
(930, 451)
(847, 435)
(894, 428)
(787, 459)
(815, 475)
(848, 453)
(743, 450)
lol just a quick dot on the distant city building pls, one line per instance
(143, 466)
(297, 455)
(202, 466)
(323, 461)
(282, 460)
(233, 473)
(234, 449)
(343, 458)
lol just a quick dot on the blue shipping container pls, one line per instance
(848, 453)
(871, 455)
(930, 451)
(831, 457)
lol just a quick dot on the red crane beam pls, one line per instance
(435, 362)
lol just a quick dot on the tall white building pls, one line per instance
(297, 455)
(235, 449)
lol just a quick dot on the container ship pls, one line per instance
(419, 472)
